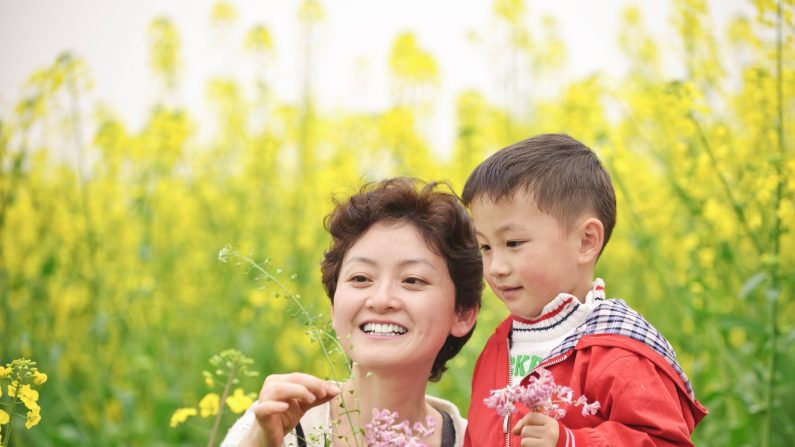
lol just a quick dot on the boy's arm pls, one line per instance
(641, 404)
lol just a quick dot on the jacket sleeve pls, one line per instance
(641, 405)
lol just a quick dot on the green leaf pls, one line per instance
(751, 284)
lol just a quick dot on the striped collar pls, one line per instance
(562, 313)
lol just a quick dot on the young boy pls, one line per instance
(544, 208)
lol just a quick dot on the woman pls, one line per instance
(404, 276)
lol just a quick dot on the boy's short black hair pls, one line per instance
(564, 177)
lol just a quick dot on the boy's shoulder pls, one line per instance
(616, 317)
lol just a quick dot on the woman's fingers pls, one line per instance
(282, 402)
(304, 387)
(285, 391)
(268, 408)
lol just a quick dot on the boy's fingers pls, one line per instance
(530, 419)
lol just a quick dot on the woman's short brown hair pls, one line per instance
(441, 220)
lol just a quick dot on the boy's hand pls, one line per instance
(282, 402)
(537, 430)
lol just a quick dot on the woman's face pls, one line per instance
(394, 305)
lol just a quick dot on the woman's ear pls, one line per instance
(465, 321)
(592, 235)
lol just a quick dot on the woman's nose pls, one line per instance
(383, 298)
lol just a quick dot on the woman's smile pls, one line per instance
(383, 329)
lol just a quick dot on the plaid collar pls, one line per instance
(614, 316)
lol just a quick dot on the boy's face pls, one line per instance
(528, 257)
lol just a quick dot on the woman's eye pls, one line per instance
(513, 244)
(358, 278)
(414, 281)
(484, 247)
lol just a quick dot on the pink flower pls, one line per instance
(541, 394)
(382, 431)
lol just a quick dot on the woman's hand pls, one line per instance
(282, 402)
(537, 430)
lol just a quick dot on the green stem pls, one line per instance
(736, 207)
(224, 395)
(7, 436)
(775, 274)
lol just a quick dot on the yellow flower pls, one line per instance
(181, 415)
(208, 379)
(4, 372)
(26, 394)
(12, 388)
(4, 417)
(238, 402)
(33, 417)
(209, 405)
(39, 378)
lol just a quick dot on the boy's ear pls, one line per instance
(465, 321)
(592, 235)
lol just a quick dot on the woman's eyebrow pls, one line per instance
(360, 259)
(403, 263)
(417, 261)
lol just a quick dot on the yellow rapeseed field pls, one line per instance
(109, 236)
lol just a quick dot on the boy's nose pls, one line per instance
(497, 267)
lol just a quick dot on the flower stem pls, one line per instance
(7, 437)
(224, 395)
(774, 294)
(737, 207)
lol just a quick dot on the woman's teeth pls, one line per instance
(383, 329)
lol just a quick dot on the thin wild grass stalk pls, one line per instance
(315, 332)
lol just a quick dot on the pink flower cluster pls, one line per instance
(382, 431)
(541, 395)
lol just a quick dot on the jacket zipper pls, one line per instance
(507, 420)
(550, 363)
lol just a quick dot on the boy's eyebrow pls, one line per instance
(504, 228)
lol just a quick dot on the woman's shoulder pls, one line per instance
(459, 423)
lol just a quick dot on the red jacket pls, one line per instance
(644, 401)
